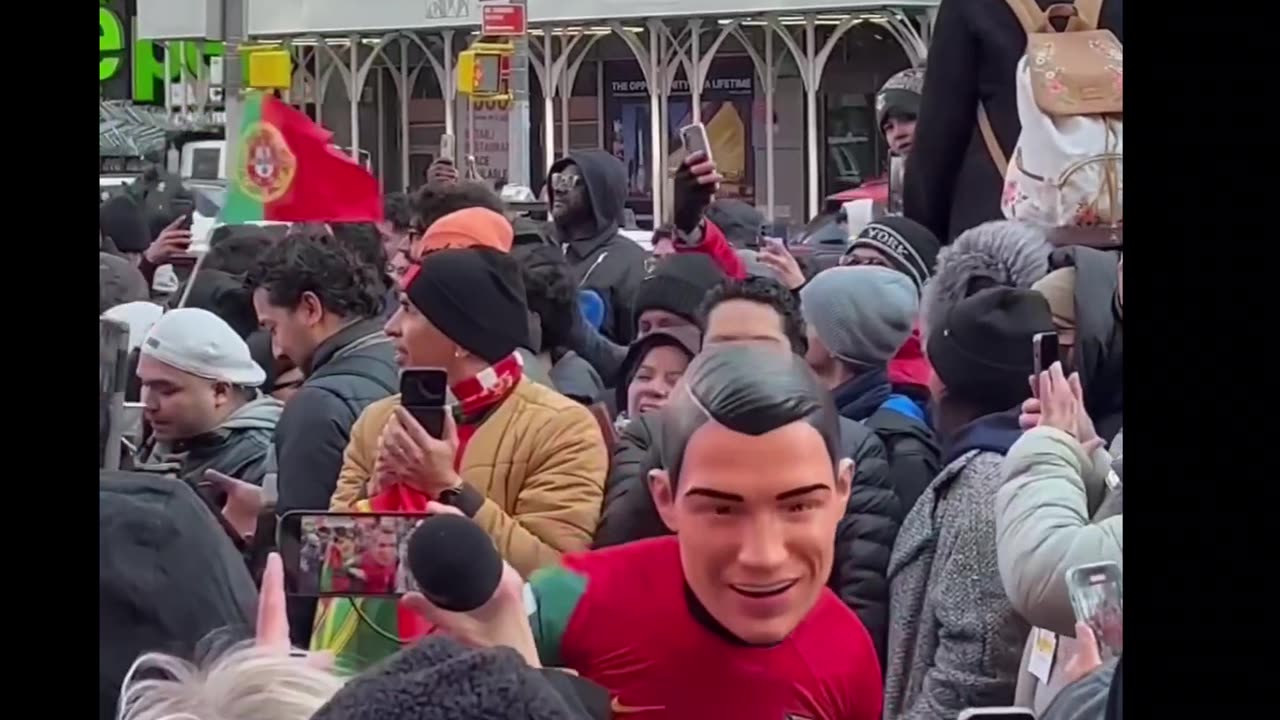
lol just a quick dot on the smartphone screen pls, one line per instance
(1097, 600)
(695, 140)
(1046, 350)
(423, 394)
(447, 147)
(347, 554)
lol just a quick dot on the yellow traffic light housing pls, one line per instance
(484, 71)
(268, 68)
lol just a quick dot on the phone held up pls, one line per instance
(1096, 597)
(997, 713)
(337, 554)
(423, 393)
(1045, 346)
(694, 138)
(447, 150)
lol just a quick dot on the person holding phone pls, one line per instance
(1061, 506)
(955, 640)
(525, 462)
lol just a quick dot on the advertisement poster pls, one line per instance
(489, 137)
(727, 98)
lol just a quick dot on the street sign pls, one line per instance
(503, 19)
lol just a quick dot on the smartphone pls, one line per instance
(695, 139)
(1045, 346)
(897, 171)
(447, 148)
(423, 393)
(1097, 600)
(328, 554)
(1003, 713)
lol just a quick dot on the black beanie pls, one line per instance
(983, 352)
(910, 247)
(439, 679)
(678, 285)
(476, 297)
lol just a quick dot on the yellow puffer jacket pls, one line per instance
(539, 459)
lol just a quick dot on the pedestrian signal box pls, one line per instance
(484, 71)
(269, 67)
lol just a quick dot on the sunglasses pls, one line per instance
(560, 182)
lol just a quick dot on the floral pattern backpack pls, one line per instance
(1067, 171)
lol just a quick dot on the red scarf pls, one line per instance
(476, 397)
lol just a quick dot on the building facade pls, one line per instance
(786, 93)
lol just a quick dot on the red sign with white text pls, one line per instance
(502, 19)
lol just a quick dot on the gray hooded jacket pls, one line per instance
(239, 447)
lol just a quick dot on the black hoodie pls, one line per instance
(168, 575)
(605, 261)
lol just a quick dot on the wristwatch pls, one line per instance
(464, 497)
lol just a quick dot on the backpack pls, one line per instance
(1067, 170)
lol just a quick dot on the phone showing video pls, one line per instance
(1097, 600)
(997, 713)
(423, 394)
(897, 173)
(1045, 347)
(447, 149)
(347, 554)
(695, 139)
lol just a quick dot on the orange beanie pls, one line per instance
(472, 227)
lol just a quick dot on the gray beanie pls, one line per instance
(863, 314)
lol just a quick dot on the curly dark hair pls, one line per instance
(765, 291)
(396, 209)
(550, 292)
(433, 201)
(316, 262)
(236, 249)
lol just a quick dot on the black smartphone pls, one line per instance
(341, 554)
(423, 393)
(1046, 350)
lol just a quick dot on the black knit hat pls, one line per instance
(439, 679)
(910, 247)
(687, 339)
(476, 297)
(678, 285)
(983, 352)
(742, 224)
(122, 220)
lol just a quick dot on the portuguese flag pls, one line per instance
(286, 169)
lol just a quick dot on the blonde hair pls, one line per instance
(244, 683)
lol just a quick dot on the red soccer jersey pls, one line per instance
(620, 617)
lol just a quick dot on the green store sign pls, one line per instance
(130, 69)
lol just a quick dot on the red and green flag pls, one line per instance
(287, 169)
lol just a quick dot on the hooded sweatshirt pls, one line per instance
(602, 259)
(238, 447)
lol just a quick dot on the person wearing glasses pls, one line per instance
(587, 192)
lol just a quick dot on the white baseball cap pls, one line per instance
(198, 342)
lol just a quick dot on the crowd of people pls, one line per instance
(722, 482)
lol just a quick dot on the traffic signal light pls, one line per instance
(484, 71)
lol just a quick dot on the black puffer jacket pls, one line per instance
(864, 537)
(604, 260)
(952, 184)
(349, 371)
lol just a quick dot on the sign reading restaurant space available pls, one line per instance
(503, 19)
